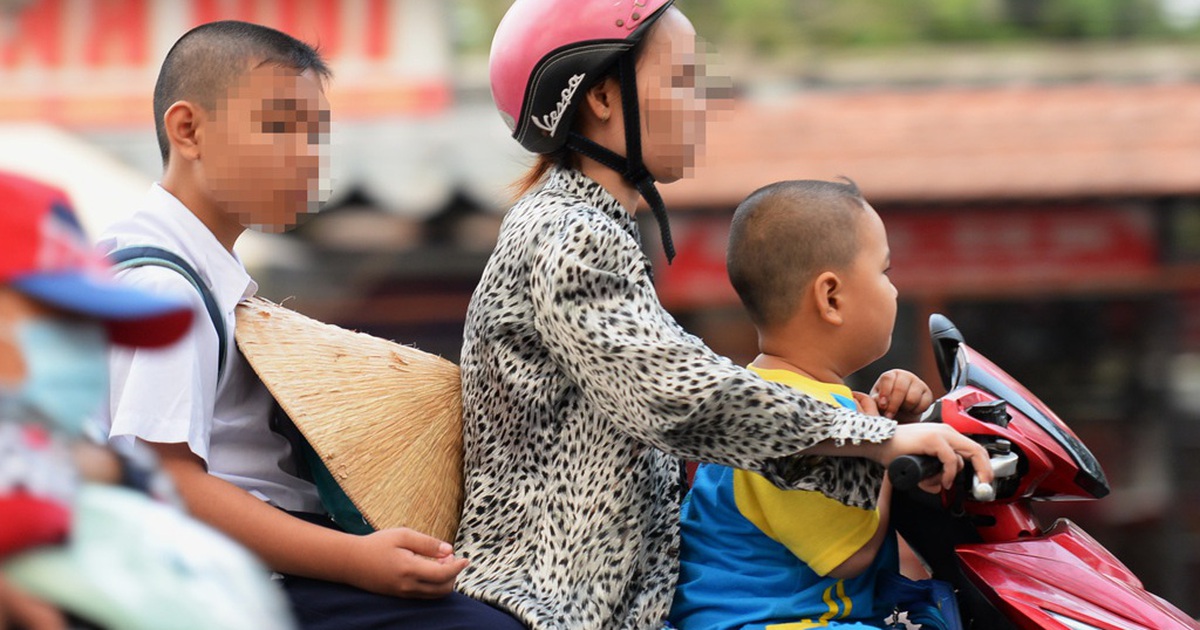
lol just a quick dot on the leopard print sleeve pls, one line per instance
(596, 310)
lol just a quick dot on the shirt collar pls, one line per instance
(833, 393)
(226, 275)
(576, 184)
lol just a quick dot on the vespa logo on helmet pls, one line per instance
(549, 122)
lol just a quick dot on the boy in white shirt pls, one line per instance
(241, 118)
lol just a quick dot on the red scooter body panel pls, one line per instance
(1059, 577)
(1052, 470)
(1066, 572)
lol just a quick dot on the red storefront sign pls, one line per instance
(117, 33)
(956, 252)
(93, 62)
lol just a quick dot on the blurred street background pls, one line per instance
(1036, 162)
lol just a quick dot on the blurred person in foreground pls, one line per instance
(580, 392)
(60, 310)
(91, 536)
(242, 123)
(810, 262)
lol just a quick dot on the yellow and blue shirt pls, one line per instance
(756, 557)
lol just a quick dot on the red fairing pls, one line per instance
(1060, 477)
(1066, 573)
(1032, 577)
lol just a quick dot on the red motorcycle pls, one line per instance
(1007, 570)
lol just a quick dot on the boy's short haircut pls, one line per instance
(785, 234)
(206, 61)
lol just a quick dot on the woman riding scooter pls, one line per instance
(580, 392)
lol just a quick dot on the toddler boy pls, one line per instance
(809, 260)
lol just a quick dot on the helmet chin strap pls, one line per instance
(630, 167)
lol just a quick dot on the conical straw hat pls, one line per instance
(385, 418)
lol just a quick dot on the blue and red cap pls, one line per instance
(45, 255)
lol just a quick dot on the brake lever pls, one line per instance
(1004, 465)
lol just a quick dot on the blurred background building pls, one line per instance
(1037, 163)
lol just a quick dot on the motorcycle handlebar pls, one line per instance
(907, 471)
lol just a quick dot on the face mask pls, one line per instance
(66, 371)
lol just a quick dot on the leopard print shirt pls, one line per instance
(580, 394)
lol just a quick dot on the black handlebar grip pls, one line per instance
(907, 471)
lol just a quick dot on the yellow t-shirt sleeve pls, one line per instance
(821, 532)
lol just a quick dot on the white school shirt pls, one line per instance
(172, 395)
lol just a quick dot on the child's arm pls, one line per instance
(862, 559)
(398, 562)
(911, 565)
(896, 391)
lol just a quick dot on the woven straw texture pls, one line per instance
(385, 418)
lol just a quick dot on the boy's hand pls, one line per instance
(901, 395)
(404, 563)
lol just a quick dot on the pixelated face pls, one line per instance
(868, 296)
(677, 92)
(266, 148)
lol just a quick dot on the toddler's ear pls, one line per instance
(827, 297)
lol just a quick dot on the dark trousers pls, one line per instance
(321, 605)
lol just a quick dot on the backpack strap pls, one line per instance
(147, 255)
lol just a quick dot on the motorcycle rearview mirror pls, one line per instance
(946, 340)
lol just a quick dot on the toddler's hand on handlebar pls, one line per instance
(940, 441)
(404, 563)
(901, 395)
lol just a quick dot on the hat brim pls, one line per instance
(133, 317)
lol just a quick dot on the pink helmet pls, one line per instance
(546, 53)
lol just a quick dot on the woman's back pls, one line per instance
(575, 519)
